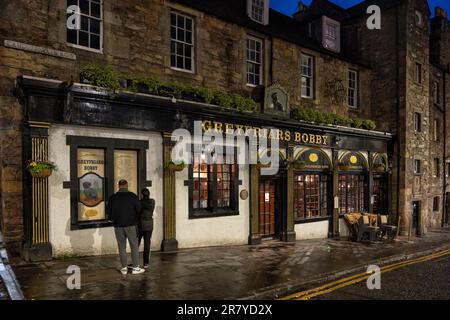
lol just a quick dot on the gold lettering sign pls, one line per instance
(282, 135)
(91, 185)
(125, 167)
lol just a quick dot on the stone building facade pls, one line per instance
(135, 40)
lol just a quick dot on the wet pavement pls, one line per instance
(215, 272)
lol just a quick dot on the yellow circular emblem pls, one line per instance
(91, 213)
(353, 160)
(313, 157)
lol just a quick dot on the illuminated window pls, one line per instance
(351, 193)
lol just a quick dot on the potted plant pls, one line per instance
(41, 169)
(172, 166)
(379, 167)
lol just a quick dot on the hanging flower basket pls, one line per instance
(344, 166)
(175, 167)
(41, 169)
(379, 168)
(298, 165)
(260, 165)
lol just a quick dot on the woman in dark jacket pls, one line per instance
(145, 223)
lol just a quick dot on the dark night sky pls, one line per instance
(289, 6)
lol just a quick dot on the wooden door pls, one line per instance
(267, 208)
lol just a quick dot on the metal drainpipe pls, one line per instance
(397, 42)
(444, 76)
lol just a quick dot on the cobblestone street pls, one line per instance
(215, 273)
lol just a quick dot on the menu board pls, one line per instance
(125, 167)
(91, 184)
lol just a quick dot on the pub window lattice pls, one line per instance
(351, 193)
(310, 196)
(213, 184)
(90, 33)
(182, 42)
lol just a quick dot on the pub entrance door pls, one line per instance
(268, 208)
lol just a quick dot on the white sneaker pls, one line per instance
(124, 270)
(137, 270)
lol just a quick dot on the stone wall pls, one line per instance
(135, 43)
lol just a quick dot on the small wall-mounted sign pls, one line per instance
(244, 194)
(266, 197)
(276, 101)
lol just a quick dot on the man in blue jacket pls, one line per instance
(123, 210)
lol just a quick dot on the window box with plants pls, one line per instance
(41, 169)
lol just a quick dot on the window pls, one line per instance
(353, 88)
(90, 33)
(437, 167)
(436, 93)
(351, 193)
(331, 34)
(447, 173)
(418, 73)
(254, 61)
(258, 10)
(96, 166)
(436, 129)
(214, 186)
(417, 166)
(417, 122)
(436, 201)
(310, 196)
(182, 42)
(307, 73)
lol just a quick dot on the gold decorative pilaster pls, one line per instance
(290, 235)
(254, 237)
(40, 224)
(169, 242)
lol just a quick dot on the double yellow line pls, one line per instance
(344, 282)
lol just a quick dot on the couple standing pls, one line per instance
(133, 220)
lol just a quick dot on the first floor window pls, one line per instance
(351, 193)
(417, 122)
(436, 93)
(436, 201)
(181, 42)
(310, 196)
(417, 166)
(254, 61)
(437, 167)
(418, 73)
(213, 184)
(307, 76)
(90, 33)
(353, 88)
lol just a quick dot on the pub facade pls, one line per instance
(305, 90)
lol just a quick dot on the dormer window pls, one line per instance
(331, 37)
(258, 10)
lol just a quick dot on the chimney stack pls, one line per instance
(440, 12)
(301, 9)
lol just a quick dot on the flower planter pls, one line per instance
(175, 167)
(298, 165)
(44, 173)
